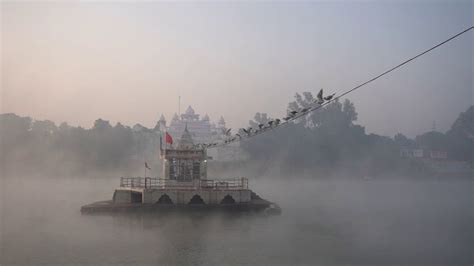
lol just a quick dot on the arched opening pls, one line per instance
(196, 199)
(136, 197)
(164, 199)
(228, 200)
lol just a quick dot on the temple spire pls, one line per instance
(186, 141)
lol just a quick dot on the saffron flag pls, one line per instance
(169, 139)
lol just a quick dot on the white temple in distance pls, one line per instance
(202, 130)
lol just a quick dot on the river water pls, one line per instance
(324, 222)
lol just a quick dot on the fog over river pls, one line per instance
(324, 222)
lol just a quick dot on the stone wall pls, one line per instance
(151, 196)
(124, 195)
(208, 196)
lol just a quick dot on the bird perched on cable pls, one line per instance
(319, 97)
(250, 131)
(247, 131)
(293, 113)
(260, 126)
(271, 122)
(328, 98)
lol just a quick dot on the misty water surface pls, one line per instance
(324, 222)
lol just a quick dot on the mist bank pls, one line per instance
(324, 222)
(324, 143)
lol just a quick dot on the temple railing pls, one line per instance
(206, 184)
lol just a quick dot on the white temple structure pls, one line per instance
(202, 130)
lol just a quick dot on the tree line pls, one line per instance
(329, 139)
(321, 141)
(29, 145)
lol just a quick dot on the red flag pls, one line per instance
(169, 139)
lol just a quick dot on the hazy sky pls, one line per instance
(128, 62)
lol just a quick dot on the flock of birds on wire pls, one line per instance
(318, 103)
(273, 123)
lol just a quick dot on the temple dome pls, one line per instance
(162, 118)
(175, 117)
(186, 141)
(221, 122)
(190, 111)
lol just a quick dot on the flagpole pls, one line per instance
(161, 143)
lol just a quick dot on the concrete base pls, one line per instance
(107, 207)
(181, 197)
(128, 195)
(148, 200)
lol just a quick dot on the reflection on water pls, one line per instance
(323, 222)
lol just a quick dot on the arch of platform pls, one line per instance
(228, 199)
(196, 199)
(164, 199)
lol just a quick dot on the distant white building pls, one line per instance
(411, 153)
(202, 130)
(438, 154)
(421, 153)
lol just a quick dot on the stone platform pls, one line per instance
(146, 194)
